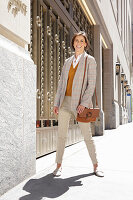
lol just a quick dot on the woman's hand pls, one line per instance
(80, 109)
(56, 110)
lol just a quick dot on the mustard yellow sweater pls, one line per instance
(71, 74)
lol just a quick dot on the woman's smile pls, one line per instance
(79, 44)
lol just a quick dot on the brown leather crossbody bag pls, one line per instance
(88, 114)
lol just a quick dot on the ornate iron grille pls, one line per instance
(50, 46)
(66, 4)
(80, 19)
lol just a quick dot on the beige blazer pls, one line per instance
(89, 82)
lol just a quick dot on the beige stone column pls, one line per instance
(108, 89)
(98, 56)
(120, 97)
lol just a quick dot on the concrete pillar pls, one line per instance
(17, 97)
(129, 107)
(110, 106)
(120, 98)
(98, 56)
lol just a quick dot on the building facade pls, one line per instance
(32, 57)
(108, 26)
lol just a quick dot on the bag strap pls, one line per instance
(83, 84)
(96, 98)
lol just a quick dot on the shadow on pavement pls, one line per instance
(50, 186)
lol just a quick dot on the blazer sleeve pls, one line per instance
(91, 82)
(60, 83)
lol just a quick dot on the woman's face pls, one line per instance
(79, 44)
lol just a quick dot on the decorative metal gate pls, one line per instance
(52, 26)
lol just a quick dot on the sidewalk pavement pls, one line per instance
(77, 182)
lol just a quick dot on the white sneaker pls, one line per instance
(99, 173)
(57, 172)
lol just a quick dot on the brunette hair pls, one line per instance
(85, 37)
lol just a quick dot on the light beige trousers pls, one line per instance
(63, 125)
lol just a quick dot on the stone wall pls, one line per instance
(17, 115)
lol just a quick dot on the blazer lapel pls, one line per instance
(69, 62)
(68, 65)
(80, 72)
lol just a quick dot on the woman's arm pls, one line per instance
(91, 82)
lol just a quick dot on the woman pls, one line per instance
(67, 98)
